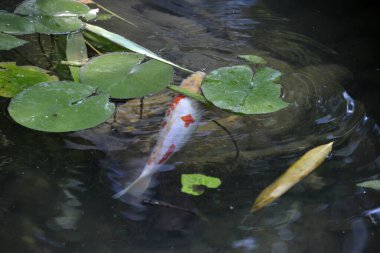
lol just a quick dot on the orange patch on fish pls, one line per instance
(188, 119)
(176, 101)
(167, 154)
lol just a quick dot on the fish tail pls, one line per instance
(137, 188)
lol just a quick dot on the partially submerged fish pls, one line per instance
(182, 119)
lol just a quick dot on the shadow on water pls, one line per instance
(56, 189)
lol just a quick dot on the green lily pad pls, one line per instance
(122, 75)
(238, 90)
(194, 184)
(60, 107)
(8, 42)
(62, 8)
(14, 79)
(55, 8)
(253, 58)
(56, 25)
(372, 184)
(14, 24)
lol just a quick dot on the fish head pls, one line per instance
(193, 82)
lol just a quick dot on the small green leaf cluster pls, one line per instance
(42, 16)
(194, 184)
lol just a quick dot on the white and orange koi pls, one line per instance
(181, 120)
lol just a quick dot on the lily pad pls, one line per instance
(14, 79)
(57, 8)
(8, 42)
(253, 58)
(123, 76)
(62, 8)
(60, 107)
(56, 25)
(14, 24)
(195, 184)
(237, 89)
(372, 184)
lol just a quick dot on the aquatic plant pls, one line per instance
(42, 103)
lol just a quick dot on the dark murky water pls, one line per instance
(56, 189)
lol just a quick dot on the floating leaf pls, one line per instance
(62, 8)
(56, 25)
(76, 51)
(122, 75)
(372, 184)
(8, 42)
(253, 58)
(58, 8)
(295, 173)
(14, 24)
(238, 90)
(14, 79)
(60, 107)
(128, 44)
(194, 183)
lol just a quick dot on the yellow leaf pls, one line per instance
(295, 173)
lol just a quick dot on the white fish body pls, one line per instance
(182, 119)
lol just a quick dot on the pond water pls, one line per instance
(56, 189)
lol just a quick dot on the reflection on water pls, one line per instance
(56, 189)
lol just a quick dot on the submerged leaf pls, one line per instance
(122, 75)
(194, 183)
(372, 184)
(76, 51)
(60, 107)
(295, 173)
(14, 79)
(128, 44)
(8, 42)
(238, 90)
(253, 58)
(14, 24)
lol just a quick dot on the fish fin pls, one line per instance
(137, 188)
(166, 167)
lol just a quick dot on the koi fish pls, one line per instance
(181, 120)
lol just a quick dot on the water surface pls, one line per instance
(56, 189)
